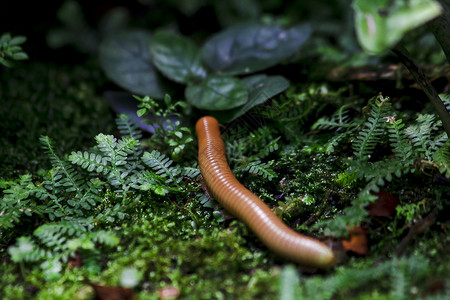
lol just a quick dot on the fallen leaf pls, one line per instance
(112, 292)
(384, 205)
(75, 261)
(357, 241)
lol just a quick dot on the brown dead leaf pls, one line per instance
(76, 261)
(112, 292)
(357, 241)
(384, 206)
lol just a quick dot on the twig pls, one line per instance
(417, 229)
(425, 85)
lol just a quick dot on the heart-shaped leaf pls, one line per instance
(125, 58)
(250, 47)
(260, 88)
(379, 26)
(217, 92)
(176, 57)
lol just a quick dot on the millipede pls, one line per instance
(249, 208)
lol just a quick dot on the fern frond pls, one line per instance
(190, 172)
(55, 235)
(399, 142)
(446, 99)
(377, 173)
(339, 119)
(442, 158)
(258, 168)
(334, 141)
(71, 180)
(127, 127)
(161, 164)
(373, 128)
(90, 162)
(421, 135)
(147, 180)
(116, 153)
(271, 147)
(15, 202)
(103, 237)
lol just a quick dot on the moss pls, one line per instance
(58, 101)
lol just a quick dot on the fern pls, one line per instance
(127, 127)
(258, 168)
(18, 201)
(161, 164)
(339, 119)
(335, 141)
(191, 172)
(373, 128)
(421, 135)
(112, 161)
(442, 158)
(399, 142)
(70, 180)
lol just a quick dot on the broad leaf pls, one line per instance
(125, 58)
(176, 57)
(260, 88)
(250, 47)
(217, 92)
(380, 24)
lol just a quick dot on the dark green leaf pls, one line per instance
(20, 56)
(260, 88)
(217, 93)
(17, 40)
(176, 57)
(126, 60)
(250, 47)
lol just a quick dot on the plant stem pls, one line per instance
(425, 85)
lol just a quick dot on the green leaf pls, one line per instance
(141, 112)
(381, 24)
(126, 60)
(260, 88)
(176, 57)
(17, 40)
(20, 56)
(251, 46)
(217, 92)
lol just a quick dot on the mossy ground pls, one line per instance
(184, 243)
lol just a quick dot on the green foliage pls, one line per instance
(167, 124)
(177, 57)
(75, 205)
(258, 168)
(208, 72)
(400, 276)
(127, 127)
(372, 129)
(422, 139)
(11, 50)
(381, 24)
(162, 166)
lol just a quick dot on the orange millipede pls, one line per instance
(247, 207)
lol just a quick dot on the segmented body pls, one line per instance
(246, 206)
